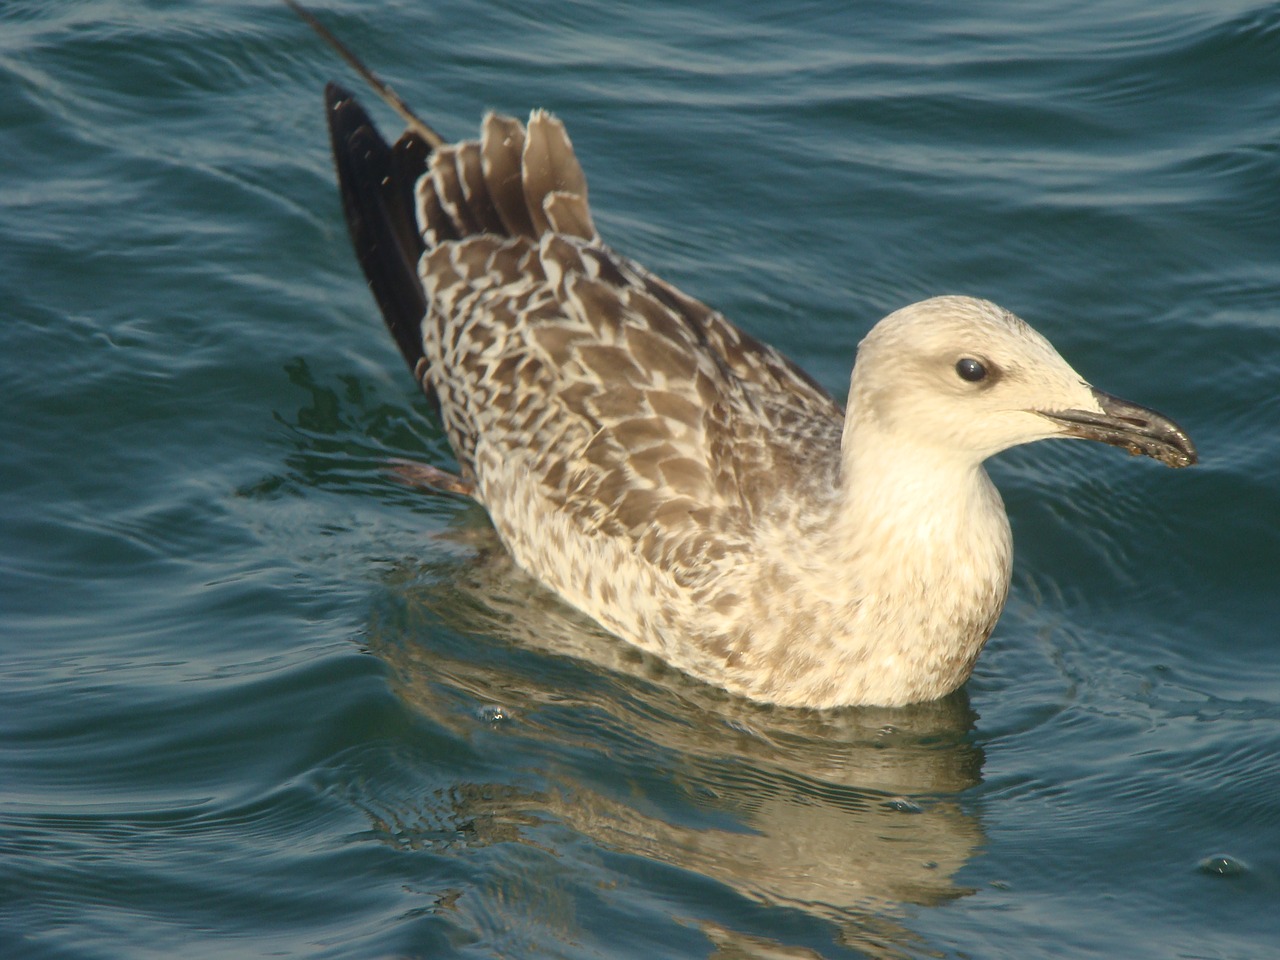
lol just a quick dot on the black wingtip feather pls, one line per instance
(377, 182)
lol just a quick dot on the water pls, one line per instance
(259, 699)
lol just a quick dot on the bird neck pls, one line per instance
(914, 495)
(924, 540)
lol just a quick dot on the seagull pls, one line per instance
(679, 481)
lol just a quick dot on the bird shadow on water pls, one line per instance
(850, 816)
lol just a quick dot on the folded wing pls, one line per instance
(559, 364)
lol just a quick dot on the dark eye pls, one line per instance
(971, 369)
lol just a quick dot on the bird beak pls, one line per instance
(1124, 424)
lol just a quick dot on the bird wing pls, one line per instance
(632, 406)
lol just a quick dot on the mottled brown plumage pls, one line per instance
(680, 481)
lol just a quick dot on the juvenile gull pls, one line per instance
(681, 482)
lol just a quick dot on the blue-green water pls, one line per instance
(258, 699)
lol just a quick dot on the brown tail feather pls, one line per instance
(502, 147)
(550, 167)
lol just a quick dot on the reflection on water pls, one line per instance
(847, 815)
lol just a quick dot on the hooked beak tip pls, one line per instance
(1138, 429)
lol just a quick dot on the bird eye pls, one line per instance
(971, 369)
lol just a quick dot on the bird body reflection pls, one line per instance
(847, 815)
